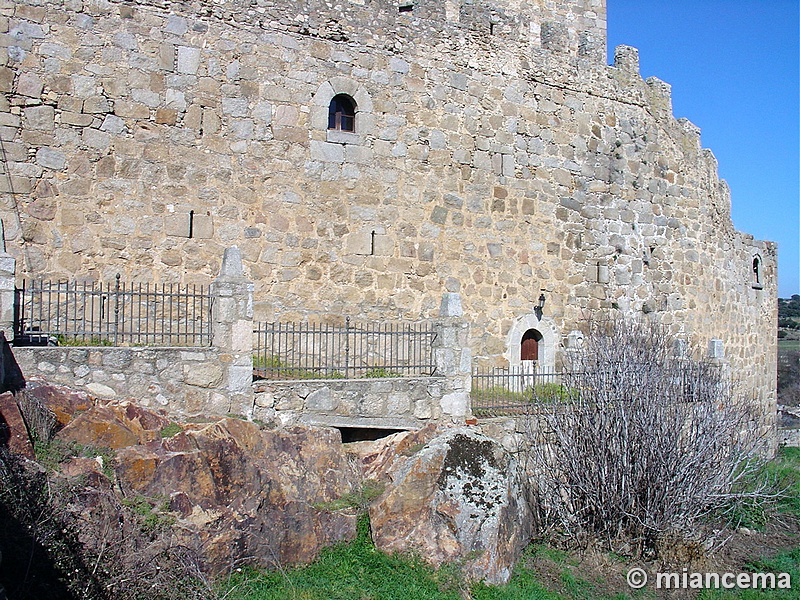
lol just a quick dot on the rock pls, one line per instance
(64, 402)
(241, 492)
(114, 426)
(458, 498)
(13, 432)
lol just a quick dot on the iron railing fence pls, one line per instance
(512, 391)
(112, 314)
(516, 390)
(352, 350)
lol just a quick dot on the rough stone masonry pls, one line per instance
(492, 153)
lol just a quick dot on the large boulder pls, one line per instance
(238, 491)
(452, 497)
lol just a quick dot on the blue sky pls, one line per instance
(733, 68)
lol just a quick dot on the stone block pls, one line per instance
(30, 85)
(235, 107)
(188, 60)
(16, 184)
(41, 118)
(358, 243)
(456, 404)
(327, 152)
(6, 79)
(75, 118)
(96, 105)
(9, 120)
(451, 305)
(51, 158)
(177, 225)
(321, 400)
(101, 390)
(205, 374)
(112, 124)
(130, 110)
(203, 227)
(166, 116)
(240, 380)
(97, 139)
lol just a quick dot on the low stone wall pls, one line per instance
(184, 381)
(391, 403)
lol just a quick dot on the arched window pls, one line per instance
(757, 275)
(342, 113)
(529, 346)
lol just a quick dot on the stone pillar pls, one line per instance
(453, 359)
(232, 320)
(8, 266)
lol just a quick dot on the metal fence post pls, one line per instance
(116, 310)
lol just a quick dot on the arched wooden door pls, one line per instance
(529, 347)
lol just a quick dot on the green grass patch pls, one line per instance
(170, 430)
(379, 373)
(152, 512)
(788, 345)
(540, 393)
(353, 571)
(71, 340)
(785, 562)
(52, 454)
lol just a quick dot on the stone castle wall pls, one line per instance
(495, 155)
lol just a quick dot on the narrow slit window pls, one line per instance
(342, 113)
(406, 8)
(757, 275)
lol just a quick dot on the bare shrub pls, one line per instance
(647, 445)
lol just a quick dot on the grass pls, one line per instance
(788, 345)
(82, 341)
(353, 571)
(541, 392)
(153, 513)
(51, 454)
(276, 368)
(785, 562)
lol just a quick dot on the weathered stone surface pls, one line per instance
(455, 496)
(114, 426)
(13, 432)
(66, 403)
(234, 504)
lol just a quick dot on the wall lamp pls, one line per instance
(539, 308)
